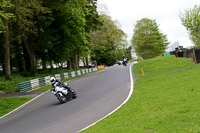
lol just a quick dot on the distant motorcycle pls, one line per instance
(63, 94)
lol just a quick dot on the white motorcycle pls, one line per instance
(63, 94)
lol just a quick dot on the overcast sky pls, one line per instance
(165, 12)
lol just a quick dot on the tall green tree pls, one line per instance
(191, 20)
(4, 27)
(107, 42)
(49, 31)
(73, 21)
(25, 11)
(68, 30)
(93, 23)
(147, 40)
(28, 14)
(110, 36)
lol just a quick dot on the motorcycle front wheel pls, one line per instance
(62, 98)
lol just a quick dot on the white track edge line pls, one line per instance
(130, 93)
(23, 105)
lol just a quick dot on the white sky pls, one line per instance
(165, 12)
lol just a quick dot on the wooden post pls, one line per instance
(176, 54)
(195, 59)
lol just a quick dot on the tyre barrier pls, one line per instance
(37, 83)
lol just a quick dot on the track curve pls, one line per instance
(97, 95)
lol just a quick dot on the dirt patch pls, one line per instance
(1, 92)
(21, 94)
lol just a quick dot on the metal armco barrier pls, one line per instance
(37, 83)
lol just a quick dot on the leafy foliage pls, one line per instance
(48, 32)
(147, 40)
(108, 42)
(102, 56)
(191, 20)
(3, 14)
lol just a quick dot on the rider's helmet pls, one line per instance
(53, 80)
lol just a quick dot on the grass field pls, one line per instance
(8, 104)
(165, 100)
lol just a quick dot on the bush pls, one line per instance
(26, 74)
(103, 56)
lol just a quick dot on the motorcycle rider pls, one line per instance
(53, 80)
(124, 59)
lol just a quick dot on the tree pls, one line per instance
(24, 11)
(147, 40)
(191, 20)
(27, 13)
(73, 21)
(47, 31)
(107, 42)
(5, 15)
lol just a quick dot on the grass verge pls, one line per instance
(8, 104)
(12, 85)
(165, 100)
(133, 60)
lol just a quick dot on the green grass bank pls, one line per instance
(8, 104)
(165, 100)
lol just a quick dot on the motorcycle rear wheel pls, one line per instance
(73, 93)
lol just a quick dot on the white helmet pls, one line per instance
(53, 80)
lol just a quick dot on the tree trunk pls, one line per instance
(62, 64)
(44, 64)
(68, 64)
(31, 55)
(76, 61)
(6, 49)
(19, 59)
(26, 59)
(87, 61)
(72, 63)
(51, 64)
(83, 61)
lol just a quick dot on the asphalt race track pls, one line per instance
(97, 95)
